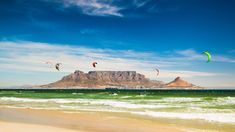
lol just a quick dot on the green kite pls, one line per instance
(208, 55)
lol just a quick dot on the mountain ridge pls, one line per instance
(113, 79)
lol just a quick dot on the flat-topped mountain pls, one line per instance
(112, 79)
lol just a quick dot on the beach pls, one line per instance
(22, 120)
(115, 111)
(23, 127)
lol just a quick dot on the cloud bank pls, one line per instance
(32, 56)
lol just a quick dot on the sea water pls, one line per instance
(207, 105)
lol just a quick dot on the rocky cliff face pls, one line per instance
(106, 76)
(104, 79)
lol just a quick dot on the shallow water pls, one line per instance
(207, 105)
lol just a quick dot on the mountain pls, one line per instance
(178, 82)
(112, 79)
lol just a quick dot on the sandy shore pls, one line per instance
(23, 127)
(12, 120)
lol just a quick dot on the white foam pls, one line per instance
(22, 99)
(226, 100)
(190, 109)
(123, 104)
(142, 95)
(90, 109)
(124, 97)
(220, 101)
(112, 103)
(180, 99)
(211, 117)
(28, 107)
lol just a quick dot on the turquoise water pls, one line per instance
(207, 105)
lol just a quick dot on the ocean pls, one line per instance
(214, 106)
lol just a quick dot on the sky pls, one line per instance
(138, 35)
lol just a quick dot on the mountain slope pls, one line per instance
(178, 82)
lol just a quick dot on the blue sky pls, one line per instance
(121, 35)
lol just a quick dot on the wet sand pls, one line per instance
(24, 120)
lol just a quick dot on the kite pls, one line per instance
(94, 64)
(57, 66)
(157, 71)
(208, 55)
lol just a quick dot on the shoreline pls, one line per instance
(12, 119)
(70, 121)
(88, 110)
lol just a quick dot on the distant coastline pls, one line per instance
(115, 80)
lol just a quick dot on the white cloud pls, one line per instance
(224, 59)
(191, 54)
(32, 56)
(106, 7)
(168, 73)
(140, 3)
(95, 7)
